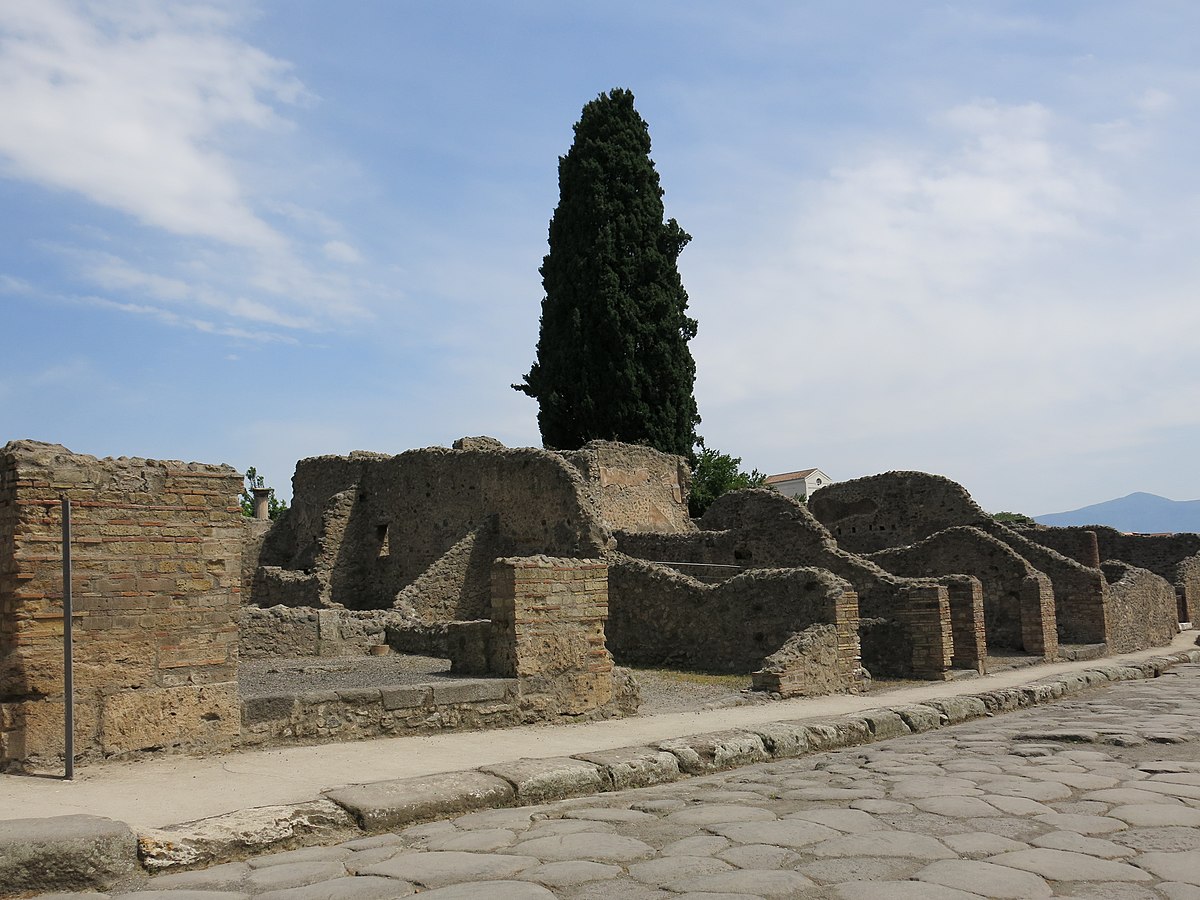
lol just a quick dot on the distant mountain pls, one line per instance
(1141, 512)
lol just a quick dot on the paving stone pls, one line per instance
(696, 845)
(784, 833)
(590, 845)
(1168, 838)
(943, 786)
(289, 875)
(304, 854)
(976, 845)
(1062, 865)
(985, 879)
(705, 814)
(443, 867)
(374, 842)
(365, 888)
(512, 819)
(881, 806)
(857, 868)
(899, 890)
(484, 839)
(224, 877)
(1082, 824)
(1157, 814)
(759, 856)
(551, 827)
(834, 793)
(1077, 843)
(1183, 867)
(492, 890)
(667, 869)
(1129, 796)
(752, 882)
(851, 821)
(1177, 890)
(884, 843)
(570, 872)
(1017, 806)
(956, 807)
(1041, 791)
(608, 814)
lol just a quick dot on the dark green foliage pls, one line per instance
(1012, 518)
(612, 354)
(254, 480)
(713, 475)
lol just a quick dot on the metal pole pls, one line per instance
(68, 667)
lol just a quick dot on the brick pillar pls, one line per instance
(1039, 629)
(966, 622)
(927, 614)
(548, 631)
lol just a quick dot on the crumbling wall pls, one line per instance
(1015, 614)
(894, 509)
(1079, 591)
(366, 526)
(747, 530)
(285, 632)
(1140, 608)
(659, 617)
(156, 550)
(1170, 556)
(635, 488)
(1079, 544)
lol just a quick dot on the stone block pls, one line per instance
(267, 709)
(783, 740)
(65, 853)
(406, 697)
(959, 709)
(539, 780)
(884, 723)
(471, 691)
(919, 717)
(634, 767)
(207, 715)
(385, 805)
(712, 752)
(244, 832)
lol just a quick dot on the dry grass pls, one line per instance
(729, 682)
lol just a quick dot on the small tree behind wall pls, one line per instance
(612, 355)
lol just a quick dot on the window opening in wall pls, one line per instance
(381, 531)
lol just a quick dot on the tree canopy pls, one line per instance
(612, 358)
(713, 475)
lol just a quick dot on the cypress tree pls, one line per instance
(612, 355)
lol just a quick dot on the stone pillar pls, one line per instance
(966, 621)
(548, 631)
(1039, 625)
(262, 497)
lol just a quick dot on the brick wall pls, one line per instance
(1141, 608)
(156, 550)
(548, 618)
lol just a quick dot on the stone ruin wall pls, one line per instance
(363, 528)
(665, 618)
(894, 509)
(156, 552)
(1141, 609)
(635, 488)
(1175, 557)
(1018, 602)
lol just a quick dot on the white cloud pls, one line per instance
(340, 251)
(122, 104)
(972, 293)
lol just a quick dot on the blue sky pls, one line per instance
(954, 237)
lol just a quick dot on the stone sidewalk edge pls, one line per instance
(59, 854)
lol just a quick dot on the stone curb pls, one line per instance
(385, 805)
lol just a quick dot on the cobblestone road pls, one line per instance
(1097, 796)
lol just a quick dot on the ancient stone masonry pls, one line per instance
(363, 528)
(635, 488)
(1141, 608)
(920, 512)
(157, 569)
(1175, 557)
(668, 618)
